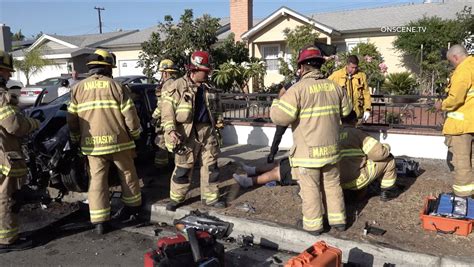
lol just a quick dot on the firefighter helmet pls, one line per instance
(6, 61)
(167, 65)
(102, 57)
(310, 53)
(200, 60)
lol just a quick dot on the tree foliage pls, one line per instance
(177, 41)
(18, 36)
(296, 39)
(32, 63)
(232, 76)
(423, 51)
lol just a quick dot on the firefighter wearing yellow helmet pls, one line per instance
(104, 122)
(13, 126)
(168, 74)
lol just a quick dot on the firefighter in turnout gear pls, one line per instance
(103, 120)
(13, 126)
(365, 159)
(459, 125)
(191, 113)
(355, 82)
(168, 71)
(313, 107)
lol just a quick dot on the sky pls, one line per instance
(79, 17)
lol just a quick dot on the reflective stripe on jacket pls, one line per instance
(313, 107)
(177, 110)
(357, 147)
(13, 126)
(102, 116)
(360, 94)
(459, 104)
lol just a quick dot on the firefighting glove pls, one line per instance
(220, 124)
(175, 137)
(366, 115)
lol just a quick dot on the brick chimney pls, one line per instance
(241, 17)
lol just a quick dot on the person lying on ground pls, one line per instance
(364, 160)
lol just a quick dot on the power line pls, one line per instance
(100, 20)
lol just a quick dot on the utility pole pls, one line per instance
(100, 20)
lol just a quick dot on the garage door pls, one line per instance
(129, 67)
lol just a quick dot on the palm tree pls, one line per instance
(32, 63)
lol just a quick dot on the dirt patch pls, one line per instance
(400, 217)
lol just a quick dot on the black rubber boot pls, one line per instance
(389, 193)
(18, 245)
(99, 229)
(218, 205)
(339, 227)
(299, 225)
(172, 205)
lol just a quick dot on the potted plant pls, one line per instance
(401, 85)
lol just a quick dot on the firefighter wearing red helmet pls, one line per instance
(313, 107)
(191, 116)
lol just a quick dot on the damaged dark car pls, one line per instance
(53, 162)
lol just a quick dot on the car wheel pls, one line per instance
(76, 180)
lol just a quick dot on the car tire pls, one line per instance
(76, 179)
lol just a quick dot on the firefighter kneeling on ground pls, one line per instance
(313, 107)
(168, 71)
(13, 170)
(364, 160)
(191, 116)
(103, 120)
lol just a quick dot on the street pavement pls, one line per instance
(124, 247)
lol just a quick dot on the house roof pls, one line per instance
(57, 53)
(283, 11)
(137, 38)
(399, 15)
(74, 45)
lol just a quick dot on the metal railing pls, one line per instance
(247, 107)
(412, 111)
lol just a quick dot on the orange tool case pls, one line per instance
(443, 225)
(319, 254)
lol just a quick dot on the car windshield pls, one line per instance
(62, 99)
(121, 79)
(50, 81)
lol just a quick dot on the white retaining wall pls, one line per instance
(419, 146)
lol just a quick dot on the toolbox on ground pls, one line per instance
(175, 251)
(319, 254)
(448, 214)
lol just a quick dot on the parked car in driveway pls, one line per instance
(14, 86)
(135, 79)
(29, 94)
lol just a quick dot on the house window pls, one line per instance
(270, 54)
(353, 42)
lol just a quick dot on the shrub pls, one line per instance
(400, 83)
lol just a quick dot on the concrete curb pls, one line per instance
(296, 241)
